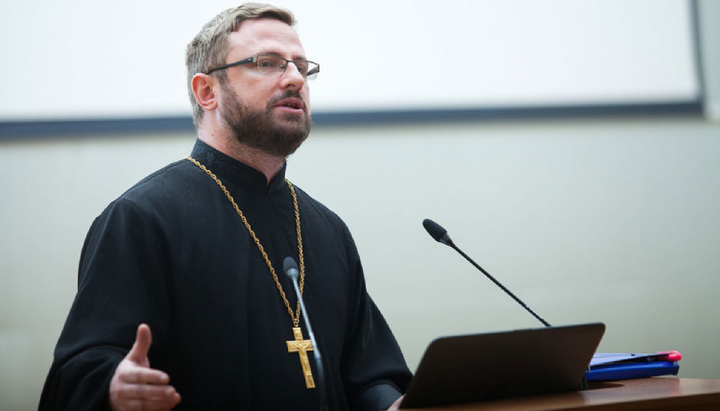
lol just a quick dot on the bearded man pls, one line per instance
(181, 300)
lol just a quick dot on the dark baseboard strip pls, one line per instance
(509, 113)
(72, 128)
(12, 130)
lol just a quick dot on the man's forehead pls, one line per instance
(266, 35)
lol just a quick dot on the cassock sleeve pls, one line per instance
(374, 368)
(120, 285)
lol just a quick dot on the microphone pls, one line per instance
(440, 235)
(436, 231)
(291, 270)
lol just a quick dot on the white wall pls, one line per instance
(709, 13)
(586, 221)
(109, 59)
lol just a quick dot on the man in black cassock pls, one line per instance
(194, 253)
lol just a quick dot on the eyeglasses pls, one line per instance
(272, 64)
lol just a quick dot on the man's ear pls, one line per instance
(203, 87)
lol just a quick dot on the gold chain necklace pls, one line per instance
(296, 316)
(297, 345)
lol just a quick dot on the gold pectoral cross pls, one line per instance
(301, 347)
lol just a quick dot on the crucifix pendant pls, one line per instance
(301, 347)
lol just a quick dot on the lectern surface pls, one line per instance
(658, 393)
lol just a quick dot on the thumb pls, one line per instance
(140, 349)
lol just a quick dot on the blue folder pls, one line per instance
(623, 366)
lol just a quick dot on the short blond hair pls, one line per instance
(209, 47)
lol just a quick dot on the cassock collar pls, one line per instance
(235, 171)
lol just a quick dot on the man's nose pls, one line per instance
(292, 78)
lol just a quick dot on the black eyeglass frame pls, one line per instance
(311, 74)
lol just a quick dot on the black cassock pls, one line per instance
(173, 253)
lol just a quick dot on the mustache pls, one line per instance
(287, 94)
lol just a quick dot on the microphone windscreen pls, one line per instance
(434, 229)
(289, 264)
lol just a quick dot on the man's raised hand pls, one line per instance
(137, 387)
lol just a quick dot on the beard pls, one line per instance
(258, 130)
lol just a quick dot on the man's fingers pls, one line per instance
(396, 404)
(138, 375)
(147, 392)
(140, 349)
(144, 397)
(136, 386)
(163, 404)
